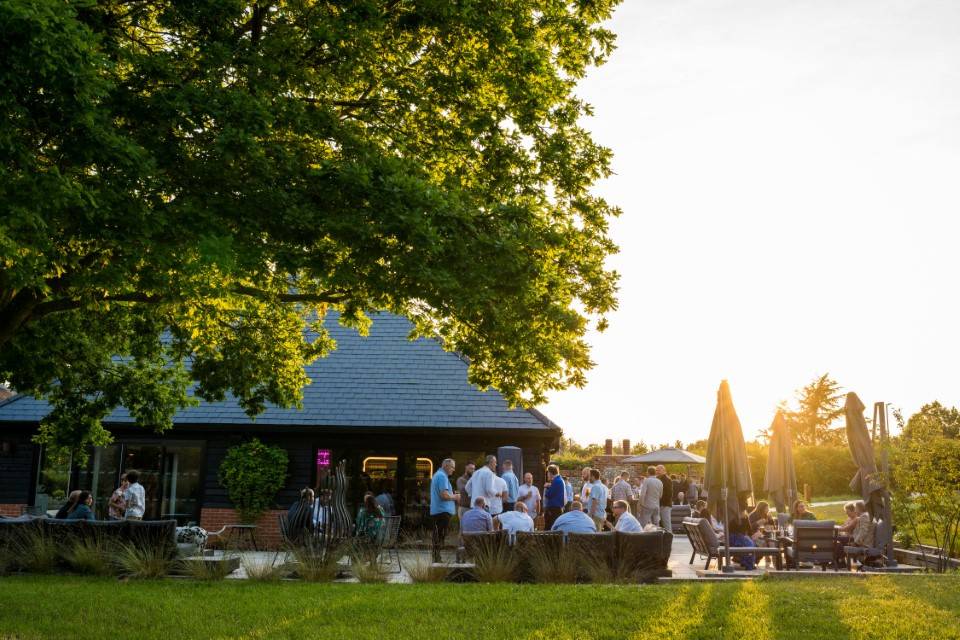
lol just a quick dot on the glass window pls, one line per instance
(53, 481)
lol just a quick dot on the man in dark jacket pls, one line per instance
(666, 498)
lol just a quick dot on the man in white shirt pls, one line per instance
(530, 496)
(135, 497)
(516, 520)
(625, 520)
(650, 491)
(482, 483)
(498, 498)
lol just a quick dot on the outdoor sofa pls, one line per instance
(644, 553)
(63, 533)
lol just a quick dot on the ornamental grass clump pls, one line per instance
(90, 556)
(365, 561)
(316, 561)
(547, 565)
(34, 551)
(495, 563)
(261, 569)
(423, 570)
(143, 561)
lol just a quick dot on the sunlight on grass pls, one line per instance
(750, 617)
(682, 613)
(885, 610)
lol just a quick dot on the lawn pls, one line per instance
(836, 609)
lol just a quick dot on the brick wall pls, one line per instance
(267, 532)
(11, 510)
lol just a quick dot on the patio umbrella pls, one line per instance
(780, 483)
(867, 481)
(727, 475)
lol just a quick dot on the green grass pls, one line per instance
(915, 607)
(846, 497)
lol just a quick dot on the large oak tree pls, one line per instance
(188, 185)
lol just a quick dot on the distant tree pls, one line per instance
(187, 187)
(937, 417)
(819, 406)
(639, 448)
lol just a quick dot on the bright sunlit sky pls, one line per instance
(789, 174)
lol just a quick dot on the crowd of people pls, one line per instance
(127, 502)
(486, 501)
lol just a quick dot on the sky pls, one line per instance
(789, 175)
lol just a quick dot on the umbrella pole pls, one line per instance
(885, 467)
(727, 566)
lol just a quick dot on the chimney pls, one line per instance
(626, 446)
(608, 447)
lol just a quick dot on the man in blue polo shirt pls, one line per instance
(554, 497)
(443, 504)
(575, 521)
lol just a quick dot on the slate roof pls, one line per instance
(382, 380)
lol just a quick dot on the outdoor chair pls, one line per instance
(529, 545)
(551, 540)
(390, 541)
(705, 542)
(814, 542)
(678, 514)
(483, 541)
(593, 547)
(644, 554)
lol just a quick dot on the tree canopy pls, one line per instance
(819, 406)
(185, 187)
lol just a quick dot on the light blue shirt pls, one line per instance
(574, 522)
(513, 485)
(475, 520)
(597, 502)
(439, 484)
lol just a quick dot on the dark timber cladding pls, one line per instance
(391, 407)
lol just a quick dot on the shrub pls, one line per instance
(143, 562)
(252, 473)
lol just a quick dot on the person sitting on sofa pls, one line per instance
(575, 520)
(82, 510)
(626, 522)
(799, 512)
(68, 506)
(740, 537)
(864, 533)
